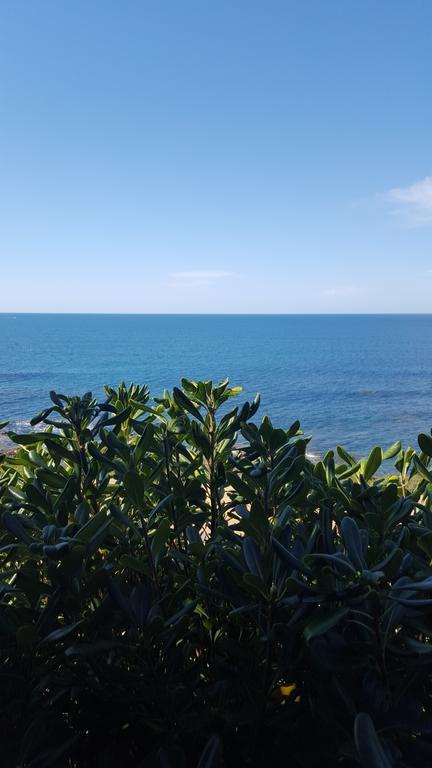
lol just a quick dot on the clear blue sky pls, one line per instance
(216, 156)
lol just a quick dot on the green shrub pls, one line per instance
(181, 587)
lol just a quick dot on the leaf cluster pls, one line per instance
(181, 586)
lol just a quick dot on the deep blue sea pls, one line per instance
(357, 380)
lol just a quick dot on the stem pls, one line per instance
(214, 501)
(381, 649)
(268, 651)
(149, 554)
(167, 455)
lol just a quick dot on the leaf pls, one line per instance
(320, 625)
(91, 649)
(56, 551)
(17, 493)
(116, 420)
(59, 451)
(421, 586)
(368, 744)
(81, 514)
(211, 754)
(161, 505)
(134, 487)
(418, 647)
(240, 486)
(41, 416)
(425, 443)
(390, 564)
(201, 440)
(252, 556)
(422, 469)
(15, 526)
(290, 559)
(127, 561)
(193, 535)
(95, 453)
(36, 498)
(339, 561)
(345, 456)
(140, 600)
(72, 562)
(293, 429)
(26, 439)
(187, 609)
(86, 533)
(255, 583)
(123, 518)
(412, 603)
(62, 632)
(35, 458)
(52, 479)
(392, 451)
(161, 537)
(119, 447)
(373, 463)
(185, 404)
(144, 442)
(26, 635)
(352, 541)
(255, 405)
(350, 471)
(99, 536)
(58, 400)
(52, 755)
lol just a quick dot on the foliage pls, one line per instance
(181, 587)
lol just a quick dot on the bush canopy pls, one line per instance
(182, 587)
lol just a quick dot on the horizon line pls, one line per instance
(221, 314)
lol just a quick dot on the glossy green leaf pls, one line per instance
(373, 463)
(183, 402)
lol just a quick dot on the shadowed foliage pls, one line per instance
(182, 587)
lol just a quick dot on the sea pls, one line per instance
(352, 380)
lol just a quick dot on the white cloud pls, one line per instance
(413, 202)
(339, 290)
(196, 278)
(203, 274)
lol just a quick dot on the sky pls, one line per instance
(215, 156)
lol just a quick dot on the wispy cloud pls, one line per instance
(413, 203)
(196, 278)
(334, 291)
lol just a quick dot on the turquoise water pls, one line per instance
(357, 380)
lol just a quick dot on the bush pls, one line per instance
(183, 588)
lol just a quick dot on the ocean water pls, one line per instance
(356, 380)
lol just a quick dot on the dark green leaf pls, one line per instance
(183, 402)
(134, 487)
(369, 747)
(425, 443)
(322, 624)
(212, 754)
